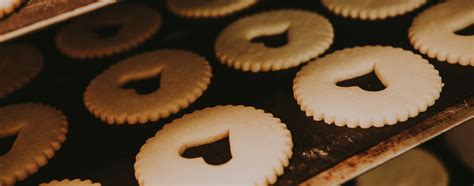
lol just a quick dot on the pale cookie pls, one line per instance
(7, 6)
(184, 77)
(67, 182)
(371, 9)
(412, 84)
(19, 64)
(259, 143)
(207, 8)
(309, 35)
(81, 38)
(40, 130)
(415, 167)
(432, 32)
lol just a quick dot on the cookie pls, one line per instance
(235, 49)
(411, 86)
(19, 64)
(260, 145)
(40, 130)
(433, 32)
(7, 6)
(371, 9)
(67, 182)
(206, 8)
(133, 24)
(184, 77)
(415, 167)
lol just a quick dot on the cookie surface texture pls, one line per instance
(371, 9)
(19, 64)
(183, 78)
(433, 32)
(107, 32)
(411, 85)
(309, 35)
(67, 182)
(40, 130)
(415, 167)
(8, 6)
(206, 8)
(259, 143)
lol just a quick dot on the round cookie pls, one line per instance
(415, 167)
(82, 39)
(207, 8)
(184, 77)
(19, 64)
(412, 84)
(7, 6)
(67, 182)
(371, 9)
(235, 49)
(40, 130)
(260, 145)
(433, 32)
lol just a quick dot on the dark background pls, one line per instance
(106, 153)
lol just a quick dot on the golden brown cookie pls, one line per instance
(207, 8)
(371, 9)
(40, 130)
(81, 38)
(7, 6)
(19, 64)
(433, 32)
(309, 35)
(260, 145)
(67, 182)
(411, 83)
(184, 77)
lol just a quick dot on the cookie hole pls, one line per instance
(144, 86)
(468, 31)
(6, 143)
(215, 153)
(368, 82)
(272, 41)
(108, 31)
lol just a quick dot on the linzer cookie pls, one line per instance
(40, 130)
(433, 32)
(184, 77)
(411, 86)
(67, 182)
(371, 9)
(109, 31)
(260, 145)
(235, 48)
(7, 6)
(415, 167)
(19, 64)
(206, 8)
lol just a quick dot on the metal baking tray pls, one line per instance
(322, 153)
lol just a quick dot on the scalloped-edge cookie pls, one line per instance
(81, 38)
(433, 32)
(260, 146)
(68, 182)
(309, 35)
(206, 8)
(184, 77)
(415, 167)
(371, 9)
(411, 83)
(7, 6)
(40, 130)
(19, 64)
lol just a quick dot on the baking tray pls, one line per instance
(322, 153)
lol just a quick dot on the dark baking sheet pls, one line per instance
(103, 153)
